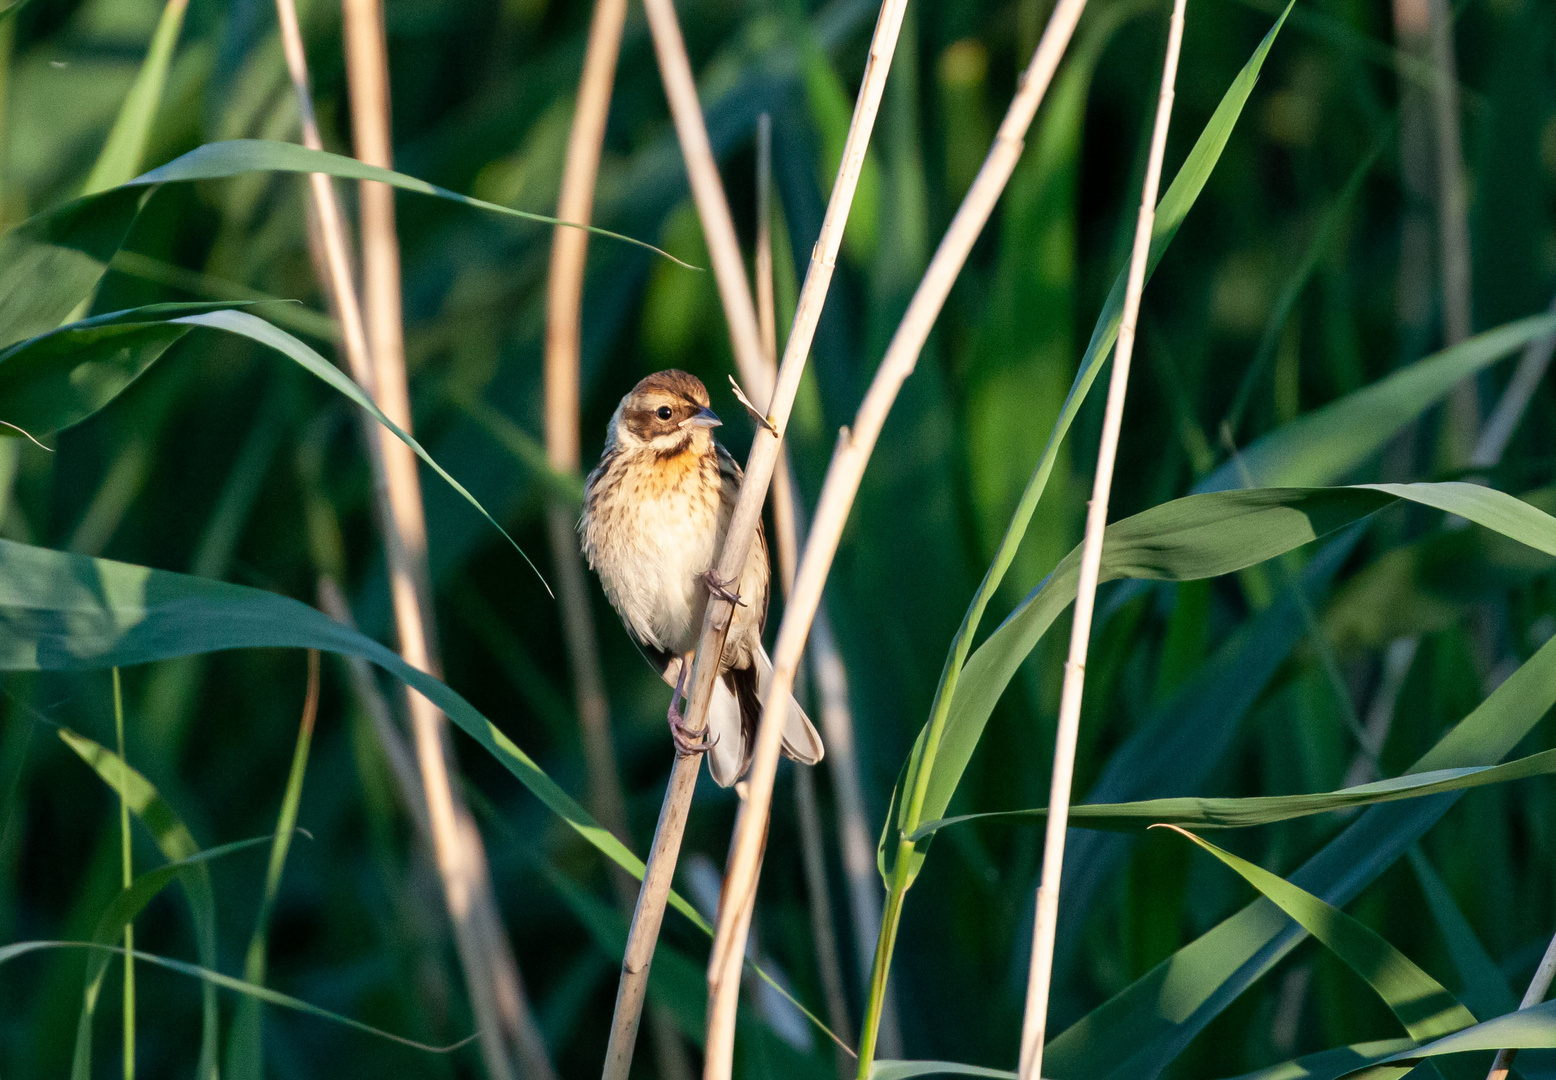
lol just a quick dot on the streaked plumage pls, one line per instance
(655, 511)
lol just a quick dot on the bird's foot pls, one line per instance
(720, 588)
(687, 744)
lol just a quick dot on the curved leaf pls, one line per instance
(1325, 444)
(216, 161)
(1420, 1002)
(121, 910)
(1204, 813)
(227, 982)
(1197, 536)
(904, 1070)
(1144, 1027)
(64, 612)
(1533, 1028)
(60, 378)
(177, 845)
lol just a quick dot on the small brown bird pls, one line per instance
(655, 511)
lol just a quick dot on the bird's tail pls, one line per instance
(733, 716)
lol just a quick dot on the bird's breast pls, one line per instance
(652, 530)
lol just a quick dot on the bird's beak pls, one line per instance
(703, 418)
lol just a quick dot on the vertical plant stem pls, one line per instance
(564, 306)
(1453, 229)
(1498, 429)
(1035, 1022)
(127, 875)
(647, 916)
(837, 494)
(741, 531)
(718, 227)
(496, 992)
(786, 522)
(1538, 987)
(245, 1057)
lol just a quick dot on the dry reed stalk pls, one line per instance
(1432, 175)
(837, 494)
(564, 307)
(491, 975)
(1498, 429)
(741, 531)
(1453, 227)
(1035, 1022)
(1538, 987)
(702, 172)
(786, 524)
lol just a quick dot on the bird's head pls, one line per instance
(666, 414)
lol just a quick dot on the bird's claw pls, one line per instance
(687, 744)
(721, 588)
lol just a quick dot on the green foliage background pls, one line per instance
(1286, 279)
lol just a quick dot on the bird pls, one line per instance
(655, 511)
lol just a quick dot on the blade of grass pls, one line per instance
(1146, 1026)
(1203, 813)
(1539, 986)
(121, 155)
(61, 378)
(117, 916)
(214, 979)
(1417, 1000)
(245, 1048)
(177, 844)
(216, 161)
(1326, 443)
(127, 872)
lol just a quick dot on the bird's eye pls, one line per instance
(663, 412)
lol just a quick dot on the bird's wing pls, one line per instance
(732, 477)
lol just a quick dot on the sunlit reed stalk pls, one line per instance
(127, 875)
(837, 494)
(1538, 987)
(564, 305)
(786, 526)
(741, 531)
(1035, 1021)
(491, 976)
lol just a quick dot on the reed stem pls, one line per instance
(491, 976)
(1035, 1022)
(1539, 986)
